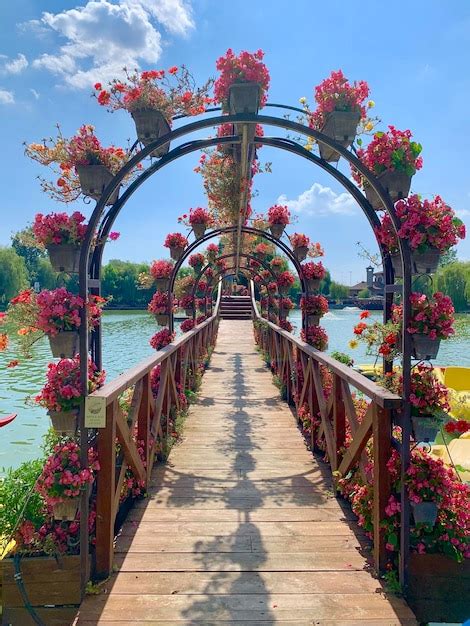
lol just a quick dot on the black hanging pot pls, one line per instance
(426, 262)
(313, 284)
(424, 512)
(64, 345)
(162, 319)
(397, 184)
(64, 422)
(300, 253)
(162, 284)
(244, 97)
(150, 125)
(342, 127)
(424, 348)
(64, 257)
(277, 230)
(93, 180)
(426, 427)
(199, 230)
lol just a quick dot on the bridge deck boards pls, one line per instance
(241, 526)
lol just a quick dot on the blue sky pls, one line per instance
(414, 56)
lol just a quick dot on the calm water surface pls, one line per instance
(126, 335)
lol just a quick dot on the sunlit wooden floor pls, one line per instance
(241, 526)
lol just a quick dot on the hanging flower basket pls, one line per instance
(150, 125)
(313, 284)
(64, 345)
(189, 312)
(93, 180)
(244, 97)
(162, 284)
(425, 428)
(313, 320)
(424, 348)
(66, 510)
(300, 253)
(424, 512)
(162, 319)
(199, 230)
(396, 183)
(426, 262)
(64, 422)
(397, 265)
(176, 252)
(277, 230)
(342, 127)
(64, 257)
(284, 289)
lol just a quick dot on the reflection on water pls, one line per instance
(126, 335)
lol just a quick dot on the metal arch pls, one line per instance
(405, 254)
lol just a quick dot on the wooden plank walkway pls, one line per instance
(241, 526)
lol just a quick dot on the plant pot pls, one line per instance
(65, 344)
(199, 230)
(426, 427)
(189, 312)
(66, 510)
(64, 422)
(162, 284)
(150, 125)
(283, 289)
(313, 284)
(260, 256)
(426, 262)
(277, 230)
(313, 320)
(176, 252)
(438, 588)
(396, 184)
(162, 319)
(424, 512)
(64, 257)
(52, 585)
(397, 265)
(300, 253)
(94, 179)
(342, 127)
(423, 347)
(244, 97)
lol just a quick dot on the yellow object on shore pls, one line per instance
(457, 381)
(457, 453)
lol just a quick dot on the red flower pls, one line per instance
(364, 315)
(114, 235)
(98, 86)
(13, 363)
(173, 69)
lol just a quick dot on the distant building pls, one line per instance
(374, 283)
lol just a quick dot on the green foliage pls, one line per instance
(45, 275)
(338, 291)
(25, 245)
(454, 280)
(120, 281)
(13, 274)
(342, 357)
(325, 284)
(364, 293)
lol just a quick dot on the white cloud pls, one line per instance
(101, 37)
(463, 212)
(320, 200)
(6, 97)
(35, 93)
(13, 66)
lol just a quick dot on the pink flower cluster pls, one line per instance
(313, 270)
(285, 325)
(390, 151)
(161, 269)
(186, 302)
(277, 263)
(272, 287)
(278, 214)
(175, 240)
(187, 325)
(316, 336)
(432, 316)
(285, 279)
(299, 240)
(262, 249)
(59, 228)
(314, 305)
(155, 379)
(200, 216)
(246, 67)
(86, 149)
(429, 223)
(212, 251)
(162, 339)
(286, 304)
(63, 391)
(335, 93)
(160, 303)
(63, 476)
(197, 260)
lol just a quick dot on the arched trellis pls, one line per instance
(89, 270)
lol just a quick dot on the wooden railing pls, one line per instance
(136, 432)
(299, 368)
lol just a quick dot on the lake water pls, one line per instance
(126, 335)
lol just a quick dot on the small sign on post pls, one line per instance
(95, 412)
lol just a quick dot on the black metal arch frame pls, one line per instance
(89, 271)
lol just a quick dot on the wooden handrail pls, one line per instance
(384, 398)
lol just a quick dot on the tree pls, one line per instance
(325, 284)
(26, 247)
(338, 291)
(448, 257)
(364, 293)
(13, 274)
(120, 281)
(46, 276)
(454, 281)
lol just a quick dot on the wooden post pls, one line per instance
(339, 421)
(106, 487)
(382, 436)
(143, 422)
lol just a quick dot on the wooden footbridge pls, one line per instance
(242, 524)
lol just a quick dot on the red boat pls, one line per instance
(6, 420)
